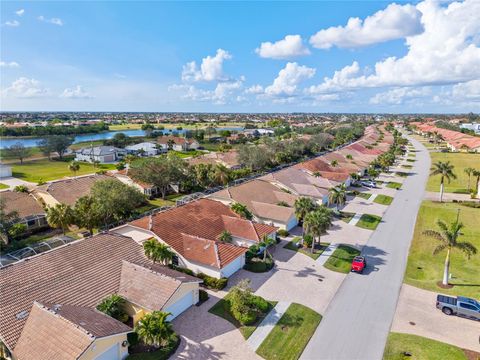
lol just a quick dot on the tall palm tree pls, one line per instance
(445, 170)
(469, 171)
(154, 329)
(225, 236)
(337, 195)
(74, 167)
(317, 222)
(221, 174)
(303, 206)
(448, 236)
(60, 216)
(476, 173)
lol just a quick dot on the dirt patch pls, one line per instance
(440, 285)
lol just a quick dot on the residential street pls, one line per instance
(357, 321)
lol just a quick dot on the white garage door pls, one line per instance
(110, 354)
(231, 268)
(180, 306)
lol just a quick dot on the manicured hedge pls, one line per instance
(213, 283)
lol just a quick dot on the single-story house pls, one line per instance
(228, 159)
(29, 210)
(268, 203)
(103, 154)
(148, 190)
(49, 300)
(177, 143)
(67, 191)
(144, 149)
(193, 231)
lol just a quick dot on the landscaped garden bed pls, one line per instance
(383, 199)
(341, 259)
(318, 249)
(291, 334)
(369, 221)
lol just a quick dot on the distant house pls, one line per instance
(193, 231)
(30, 212)
(177, 143)
(228, 159)
(49, 301)
(149, 190)
(103, 154)
(144, 149)
(5, 170)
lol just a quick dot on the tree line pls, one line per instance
(53, 130)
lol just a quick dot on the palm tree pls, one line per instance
(445, 170)
(221, 174)
(7, 219)
(225, 236)
(241, 210)
(469, 171)
(476, 173)
(74, 167)
(86, 214)
(355, 177)
(317, 222)
(157, 251)
(303, 206)
(448, 236)
(60, 216)
(337, 195)
(154, 329)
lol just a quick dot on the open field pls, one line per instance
(424, 270)
(341, 259)
(460, 161)
(420, 348)
(291, 334)
(45, 170)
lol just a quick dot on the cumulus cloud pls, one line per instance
(289, 47)
(25, 88)
(221, 94)
(54, 21)
(254, 89)
(20, 12)
(445, 53)
(469, 91)
(288, 79)
(13, 23)
(211, 68)
(11, 64)
(394, 22)
(398, 96)
(75, 93)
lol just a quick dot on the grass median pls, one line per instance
(369, 221)
(341, 259)
(394, 185)
(291, 334)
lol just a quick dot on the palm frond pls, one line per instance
(439, 249)
(434, 234)
(467, 248)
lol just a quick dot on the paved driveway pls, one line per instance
(342, 233)
(418, 306)
(363, 206)
(12, 182)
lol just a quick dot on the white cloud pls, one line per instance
(398, 96)
(20, 12)
(223, 92)
(290, 46)
(211, 68)
(54, 21)
(254, 89)
(75, 93)
(25, 88)
(11, 64)
(445, 53)
(285, 84)
(469, 91)
(13, 23)
(394, 22)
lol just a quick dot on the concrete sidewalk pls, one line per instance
(355, 219)
(262, 331)
(322, 259)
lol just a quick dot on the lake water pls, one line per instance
(31, 142)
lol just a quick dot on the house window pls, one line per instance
(31, 223)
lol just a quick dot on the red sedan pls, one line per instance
(358, 264)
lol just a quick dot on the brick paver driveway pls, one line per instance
(363, 206)
(418, 306)
(295, 278)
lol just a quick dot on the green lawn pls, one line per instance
(394, 185)
(383, 199)
(460, 161)
(411, 160)
(420, 348)
(368, 221)
(318, 249)
(401, 174)
(407, 166)
(365, 196)
(341, 259)
(187, 154)
(291, 334)
(3, 186)
(222, 309)
(424, 270)
(45, 170)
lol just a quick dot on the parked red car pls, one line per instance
(358, 264)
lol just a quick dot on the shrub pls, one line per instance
(283, 233)
(202, 295)
(246, 318)
(182, 269)
(252, 252)
(260, 303)
(20, 188)
(113, 306)
(307, 240)
(257, 265)
(213, 283)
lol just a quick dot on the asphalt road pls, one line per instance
(358, 319)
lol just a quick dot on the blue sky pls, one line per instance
(248, 56)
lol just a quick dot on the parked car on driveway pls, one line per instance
(359, 264)
(369, 184)
(460, 306)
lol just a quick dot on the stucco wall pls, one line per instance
(101, 345)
